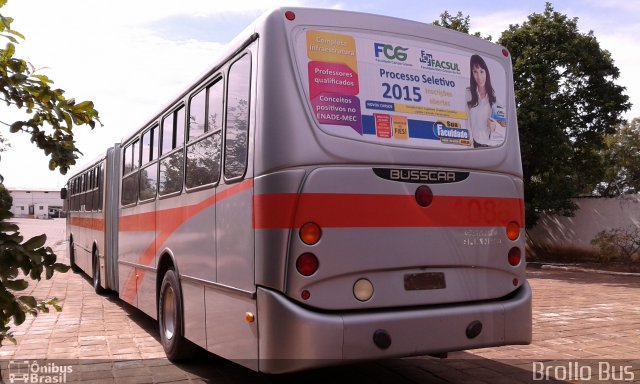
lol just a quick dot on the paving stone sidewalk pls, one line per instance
(586, 319)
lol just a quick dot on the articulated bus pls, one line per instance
(337, 187)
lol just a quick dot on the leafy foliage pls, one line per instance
(50, 121)
(459, 22)
(621, 158)
(567, 102)
(6, 201)
(51, 115)
(618, 243)
(19, 259)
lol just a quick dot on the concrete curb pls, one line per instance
(576, 268)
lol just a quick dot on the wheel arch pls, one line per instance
(71, 253)
(166, 262)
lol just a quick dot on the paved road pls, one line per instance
(586, 326)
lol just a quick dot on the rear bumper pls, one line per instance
(294, 338)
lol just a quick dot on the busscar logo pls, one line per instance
(422, 176)
(390, 52)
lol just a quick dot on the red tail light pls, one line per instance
(515, 256)
(513, 230)
(424, 196)
(307, 264)
(310, 233)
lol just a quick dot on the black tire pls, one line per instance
(170, 318)
(72, 257)
(97, 285)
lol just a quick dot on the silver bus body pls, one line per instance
(315, 151)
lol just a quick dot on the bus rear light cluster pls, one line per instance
(310, 233)
(513, 230)
(514, 256)
(307, 264)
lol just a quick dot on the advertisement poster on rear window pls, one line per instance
(402, 92)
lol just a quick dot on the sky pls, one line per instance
(132, 57)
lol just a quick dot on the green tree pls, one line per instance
(49, 118)
(459, 22)
(567, 102)
(6, 201)
(621, 158)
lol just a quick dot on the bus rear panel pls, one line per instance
(419, 219)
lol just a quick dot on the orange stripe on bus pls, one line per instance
(87, 222)
(360, 211)
(165, 223)
(283, 211)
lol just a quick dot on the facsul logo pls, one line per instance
(440, 65)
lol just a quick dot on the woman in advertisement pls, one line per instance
(486, 117)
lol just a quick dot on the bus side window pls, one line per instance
(72, 194)
(149, 145)
(130, 180)
(237, 133)
(155, 142)
(167, 134)
(149, 173)
(127, 166)
(74, 201)
(180, 117)
(149, 182)
(197, 115)
(98, 198)
(171, 166)
(94, 186)
(89, 197)
(203, 155)
(83, 190)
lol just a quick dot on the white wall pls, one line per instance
(593, 215)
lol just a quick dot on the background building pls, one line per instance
(37, 203)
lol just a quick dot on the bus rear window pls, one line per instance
(402, 92)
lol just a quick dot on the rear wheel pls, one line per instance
(170, 318)
(97, 286)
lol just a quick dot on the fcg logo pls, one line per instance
(390, 52)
